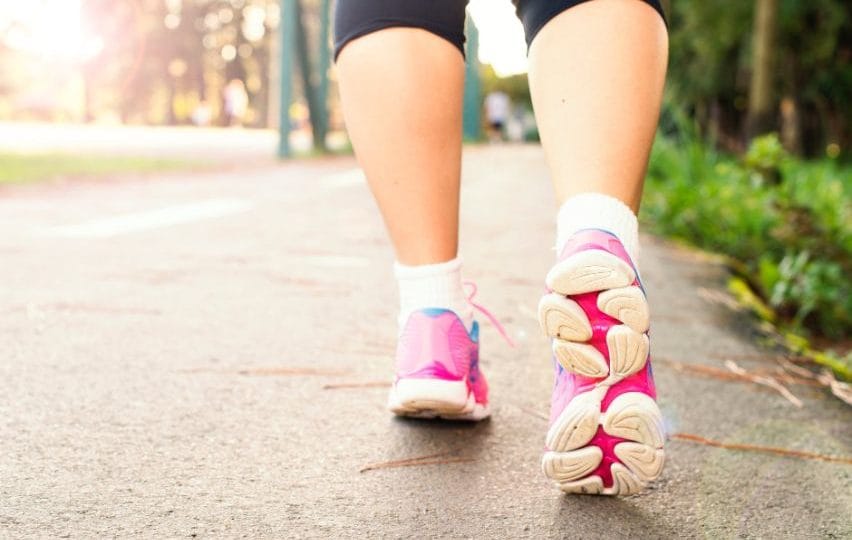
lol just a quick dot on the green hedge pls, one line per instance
(786, 223)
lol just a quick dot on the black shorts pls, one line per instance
(444, 18)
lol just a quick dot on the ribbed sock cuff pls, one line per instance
(598, 211)
(432, 286)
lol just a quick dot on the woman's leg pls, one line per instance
(401, 72)
(596, 78)
(401, 91)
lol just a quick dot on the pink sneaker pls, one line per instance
(606, 431)
(437, 369)
(437, 366)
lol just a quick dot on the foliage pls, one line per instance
(787, 222)
(160, 60)
(710, 64)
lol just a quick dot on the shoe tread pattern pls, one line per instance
(632, 418)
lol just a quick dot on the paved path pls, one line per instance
(169, 350)
(211, 144)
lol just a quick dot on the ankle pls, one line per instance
(598, 211)
(432, 286)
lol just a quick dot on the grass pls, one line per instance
(27, 168)
(784, 223)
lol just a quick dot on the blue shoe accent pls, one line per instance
(434, 312)
(474, 332)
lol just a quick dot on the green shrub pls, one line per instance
(787, 222)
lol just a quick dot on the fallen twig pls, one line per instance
(825, 379)
(368, 384)
(700, 369)
(790, 367)
(414, 459)
(269, 371)
(840, 389)
(757, 448)
(736, 373)
(277, 371)
(726, 375)
(766, 381)
(750, 356)
(786, 378)
(433, 459)
(533, 412)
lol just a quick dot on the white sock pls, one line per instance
(598, 211)
(432, 286)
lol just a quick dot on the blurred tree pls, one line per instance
(162, 58)
(165, 57)
(111, 73)
(814, 75)
(307, 70)
(761, 110)
(705, 73)
(713, 64)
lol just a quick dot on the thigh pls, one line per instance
(356, 18)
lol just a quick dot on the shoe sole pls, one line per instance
(632, 417)
(435, 398)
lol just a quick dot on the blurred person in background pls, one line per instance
(596, 74)
(202, 115)
(497, 107)
(515, 124)
(236, 102)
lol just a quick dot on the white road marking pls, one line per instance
(153, 219)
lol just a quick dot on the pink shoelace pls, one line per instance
(491, 318)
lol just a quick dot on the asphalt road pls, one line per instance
(207, 356)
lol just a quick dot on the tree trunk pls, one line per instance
(303, 54)
(791, 133)
(761, 109)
